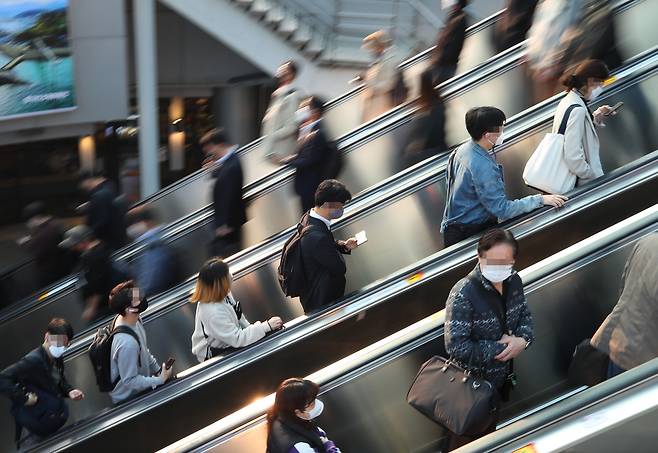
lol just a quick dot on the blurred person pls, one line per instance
(228, 205)
(381, 78)
(290, 421)
(324, 265)
(132, 366)
(583, 85)
(157, 267)
(450, 41)
(95, 264)
(475, 198)
(220, 327)
(487, 319)
(514, 23)
(36, 386)
(280, 124)
(105, 210)
(427, 135)
(627, 334)
(555, 25)
(314, 151)
(45, 234)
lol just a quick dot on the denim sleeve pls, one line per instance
(491, 193)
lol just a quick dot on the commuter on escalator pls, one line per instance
(45, 234)
(324, 265)
(99, 273)
(514, 23)
(105, 211)
(381, 78)
(476, 199)
(427, 135)
(315, 155)
(157, 267)
(220, 327)
(228, 205)
(628, 335)
(132, 366)
(280, 124)
(290, 421)
(487, 321)
(37, 386)
(450, 42)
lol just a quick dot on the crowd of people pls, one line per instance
(295, 135)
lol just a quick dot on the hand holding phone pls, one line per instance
(361, 238)
(169, 363)
(614, 108)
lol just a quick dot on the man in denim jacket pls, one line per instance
(476, 199)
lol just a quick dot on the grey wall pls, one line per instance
(98, 38)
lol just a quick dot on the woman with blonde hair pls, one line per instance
(220, 326)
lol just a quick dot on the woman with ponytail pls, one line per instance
(290, 421)
(583, 85)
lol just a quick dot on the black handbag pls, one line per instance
(454, 397)
(589, 366)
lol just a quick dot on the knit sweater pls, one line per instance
(472, 329)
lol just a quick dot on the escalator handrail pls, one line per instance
(363, 300)
(552, 266)
(387, 121)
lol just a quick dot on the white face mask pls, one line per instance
(496, 273)
(315, 412)
(499, 140)
(57, 351)
(303, 114)
(596, 92)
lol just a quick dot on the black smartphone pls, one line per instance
(614, 108)
(169, 363)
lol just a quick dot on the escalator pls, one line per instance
(569, 295)
(190, 235)
(217, 387)
(372, 155)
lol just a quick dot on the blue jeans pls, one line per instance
(614, 369)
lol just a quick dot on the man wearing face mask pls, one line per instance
(132, 366)
(488, 322)
(228, 205)
(314, 151)
(476, 199)
(324, 266)
(37, 386)
(280, 125)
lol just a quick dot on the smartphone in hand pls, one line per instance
(614, 108)
(361, 238)
(169, 363)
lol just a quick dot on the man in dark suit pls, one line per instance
(228, 204)
(105, 213)
(324, 266)
(314, 152)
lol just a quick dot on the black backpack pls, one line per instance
(292, 276)
(334, 163)
(100, 354)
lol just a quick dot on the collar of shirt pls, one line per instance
(225, 157)
(308, 128)
(315, 215)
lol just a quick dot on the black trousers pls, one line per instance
(453, 441)
(226, 246)
(457, 232)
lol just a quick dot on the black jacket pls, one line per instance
(284, 435)
(228, 204)
(36, 370)
(450, 41)
(104, 215)
(427, 134)
(324, 265)
(514, 23)
(313, 154)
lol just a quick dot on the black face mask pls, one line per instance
(143, 304)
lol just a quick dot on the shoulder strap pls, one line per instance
(450, 177)
(129, 331)
(563, 125)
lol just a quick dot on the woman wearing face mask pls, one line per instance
(581, 142)
(488, 322)
(290, 421)
(219, 325)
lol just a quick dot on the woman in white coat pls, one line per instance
(581, 142)
(219, 325)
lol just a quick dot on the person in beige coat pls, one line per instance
(279, 123)
(628, 334)
(581, 141)
(380, 78)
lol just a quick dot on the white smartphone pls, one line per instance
(361, 238)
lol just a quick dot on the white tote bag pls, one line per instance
(546, 169)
